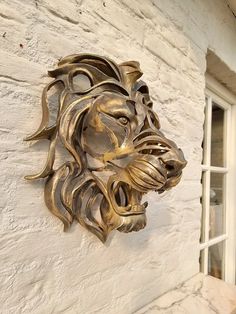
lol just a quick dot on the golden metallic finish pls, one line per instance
(106, 122)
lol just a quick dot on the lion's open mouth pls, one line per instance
(126, 200)
(125, 190)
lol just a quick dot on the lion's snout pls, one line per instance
(173, 161)
(161, 162)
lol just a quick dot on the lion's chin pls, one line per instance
(132, 223)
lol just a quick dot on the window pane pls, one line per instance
(216, 218)
(215, 260)
(217, 136)
(203, 202)
(204, 135)
(201, 261)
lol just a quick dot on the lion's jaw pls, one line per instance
(144, 173)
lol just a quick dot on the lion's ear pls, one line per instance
(131, 73)
(141, 87)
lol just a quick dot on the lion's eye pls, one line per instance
(123, 120)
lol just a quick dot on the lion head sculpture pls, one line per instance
(106, 122)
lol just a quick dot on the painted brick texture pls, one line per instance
(43, 269)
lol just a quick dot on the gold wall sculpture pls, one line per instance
(105, 121)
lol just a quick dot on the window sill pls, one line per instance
(200, 294)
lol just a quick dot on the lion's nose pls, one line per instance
(173, 161)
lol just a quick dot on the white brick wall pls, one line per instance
(42, 269)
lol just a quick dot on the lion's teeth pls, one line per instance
(129, 207)
(145, 204)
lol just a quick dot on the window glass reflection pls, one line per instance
(217, 136)
(204, 136)
(216, 227)
(203, 202)
(215, 260)
(201, 261)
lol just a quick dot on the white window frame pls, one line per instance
(215, 91)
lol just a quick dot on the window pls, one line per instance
(217, 242)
